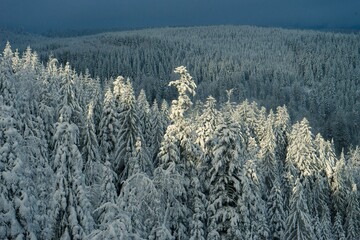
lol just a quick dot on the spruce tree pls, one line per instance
(255, 226)
(71, 207)
(108, 128)
(276, 211)
(157, 132)
(207, 123)
(128, 134)
(299, 222)
(224, 183)
(352, 222)
(144, 118)
(91, 153)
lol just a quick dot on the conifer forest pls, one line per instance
(226, 132)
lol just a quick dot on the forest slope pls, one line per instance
(80, 162)
(316, 74)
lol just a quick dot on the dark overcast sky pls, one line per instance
(43, 15)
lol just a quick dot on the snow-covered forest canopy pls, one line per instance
(315, 74)
(130, 144)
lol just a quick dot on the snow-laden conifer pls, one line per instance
(129, 132)
(299, 222)
(352, 222)
(207, 123)
(108, 128)
(71, 207)
(157, 132)
(141, 200)
(276, 211)
(224, 182)
(144, 118)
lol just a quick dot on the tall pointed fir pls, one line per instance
(276, 211)
(164, 108)
(321, 202)
(91, 150)
(352, 222)
(48, 94)
(173, 192)
(339, 188)
(338, 228)
(128, 133)
(298, 223)
(301, 150)
(177, 148)
(281, 131)
(69, 96)
(92, 162)
(207, 123)
(206, 126)
(326, 153)
(108, 128)
(7, 76)
(268, 163)
(71, 207)
(198, 220)
(224, 182)
(302, 161)
(119, 91)
(180, 126)
(246, 114)
(144, 118)
(253, 207)
(157, 132)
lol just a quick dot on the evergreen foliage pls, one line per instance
(80, 161)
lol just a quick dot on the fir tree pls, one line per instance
(71, 207)
(268, 163)
(352, 223)
(224, 183)
(255, 225)
(128, 134)
(207, 123)
(198, 221)
(108, 128)
(91, 150)
(338, 229)
(276, 211)
(157, 131)
(298, 223)
(144, 118)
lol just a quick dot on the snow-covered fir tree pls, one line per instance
(108, 128)
(298, 222)
(128, 134)
(71, 207)
(157, 132)
(224, 185)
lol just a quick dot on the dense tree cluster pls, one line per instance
(316, 74)
(82, 161)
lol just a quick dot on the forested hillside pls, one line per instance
(316, 74)
(81, 159)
